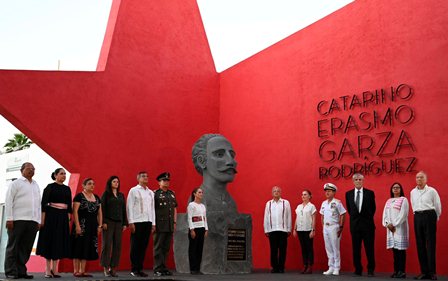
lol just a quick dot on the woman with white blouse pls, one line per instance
(197, 223)
(395, 219)
(304, 227)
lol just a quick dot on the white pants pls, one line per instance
(332, 242)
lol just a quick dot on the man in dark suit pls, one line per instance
(361, 206)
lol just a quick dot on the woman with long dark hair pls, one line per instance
(305, 228)
(197, 223)
(113, 205)
(395, 219)
(54, 235)
(86, 227)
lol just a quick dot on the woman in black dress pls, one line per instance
(113, 205)
(54, 236)
(87, 223)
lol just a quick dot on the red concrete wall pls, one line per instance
(268, 107)
(157, 95)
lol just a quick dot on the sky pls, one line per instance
(67, 34)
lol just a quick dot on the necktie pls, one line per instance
(358, 194)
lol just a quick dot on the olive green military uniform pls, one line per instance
(165, 204)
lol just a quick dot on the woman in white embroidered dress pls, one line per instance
(304, 227)
(395, 219)
(197, 223)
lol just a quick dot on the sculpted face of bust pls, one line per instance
(220, 164)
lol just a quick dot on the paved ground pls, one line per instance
(256, 276)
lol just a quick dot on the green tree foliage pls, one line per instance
(18, 142)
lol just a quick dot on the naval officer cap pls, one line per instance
(163, 176)
(330, 186)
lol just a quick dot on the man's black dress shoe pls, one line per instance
(422, 277)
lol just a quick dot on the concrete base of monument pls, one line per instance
(227, 248)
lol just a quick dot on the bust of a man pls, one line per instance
(214, 158)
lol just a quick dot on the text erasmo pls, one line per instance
(364, 142)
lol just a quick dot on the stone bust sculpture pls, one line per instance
(214, 158)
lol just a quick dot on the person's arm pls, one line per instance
(104, 206)
(313, 223)
(190, 216)
(190, 210)
(99, 217)
(322, 220)
(44, 204)
(342, 213)
(266, 220)
(437, 204)
(76, 217)
(205, 222)
(341, 224)
(373, 203)
(125, 217)
(347, 201)
(9, 202)
(385, 219)
(42, 222)
(130, 210)
(175, 218)
(288, 217)
(294, 231)
(152, 211)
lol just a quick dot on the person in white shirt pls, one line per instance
(333, 218)
(304, 227)
(197, 223)
(141, 218)
(277, 227)
(23, 218)
(395, 220)
(427, 209)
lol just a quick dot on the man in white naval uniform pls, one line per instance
(333, 217)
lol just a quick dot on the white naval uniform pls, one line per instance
(331, 211)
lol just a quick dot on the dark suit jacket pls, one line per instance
(364, 219)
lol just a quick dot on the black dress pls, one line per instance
(54, 237)
(85, 246)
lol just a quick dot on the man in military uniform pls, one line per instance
(333, 218)
(165, 207)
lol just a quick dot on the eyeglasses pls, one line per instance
(396, 187)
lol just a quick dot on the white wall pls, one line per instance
(10, 167)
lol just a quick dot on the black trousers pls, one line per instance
(18, 250)
(278, 241)
(425, 228)
(139, 243)
(195, 248)
(399, 260)
(306, 243)
(368, 237)
(162, 244)
(111, 244)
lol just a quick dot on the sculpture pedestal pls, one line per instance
(227, 248)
